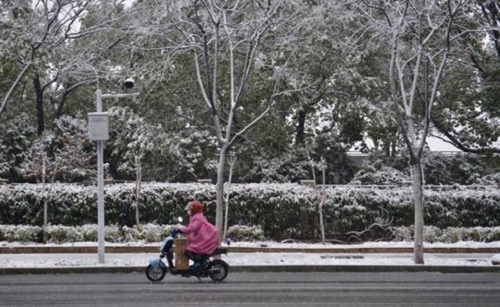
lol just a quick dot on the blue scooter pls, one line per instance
(216, 269)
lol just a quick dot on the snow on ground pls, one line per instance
(243, 259)
(496, 259)
(273, 244)
(402, 244)
(256, 259)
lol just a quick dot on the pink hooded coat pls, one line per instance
(202, 236)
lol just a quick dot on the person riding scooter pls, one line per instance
(203, 237)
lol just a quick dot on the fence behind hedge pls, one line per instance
(283, 210)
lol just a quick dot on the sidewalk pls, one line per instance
(113, 249)
(123, 259)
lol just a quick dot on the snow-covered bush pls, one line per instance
(130, 234)
(277, 208)
(89, 232)
(384, 175)
(15, 139)
(403, 233)
(491, 179)
(21, 233)
(432, 234)
(450, 234)
(152, 233)
(245, 233)
(156, 233)
(63, 234)
(113, 233)
(67, 153)
(456, 169)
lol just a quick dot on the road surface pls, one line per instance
(254, 289)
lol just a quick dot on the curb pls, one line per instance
(274, 269)
(155, 249)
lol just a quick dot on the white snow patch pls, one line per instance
(273, 244)
(256, 259)
(242, 259)
(495, 260)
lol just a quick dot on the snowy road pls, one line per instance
(254, 289)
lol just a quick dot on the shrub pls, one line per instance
(89, 232)
(281, 210)
(63, 234)
(491, 179)
(432, 234)
(245, 233)
(21, 233)
(113, 234)
(450, 234)
(403, 233)
(156, 233)
(385, 175)
(130, 234)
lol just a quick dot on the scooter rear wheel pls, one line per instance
(155, 273)
(218, 270)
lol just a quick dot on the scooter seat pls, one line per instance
(219, 251)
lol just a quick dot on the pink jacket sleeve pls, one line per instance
(193, 226)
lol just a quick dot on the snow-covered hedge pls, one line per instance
(449, 235)
(115, 234)
(281, 210)
(245, 233)
(86, 233)
(155, 233)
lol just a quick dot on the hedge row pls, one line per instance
(114, 234)
(156, 233)
(282, 210)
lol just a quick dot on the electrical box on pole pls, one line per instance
(98, 126)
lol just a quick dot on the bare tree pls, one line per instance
(419, 35)
(224, 38)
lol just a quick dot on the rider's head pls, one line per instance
(194, 206)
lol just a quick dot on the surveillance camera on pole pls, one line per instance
(129, 83)
(98, 131)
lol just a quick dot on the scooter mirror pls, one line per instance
(179, 219)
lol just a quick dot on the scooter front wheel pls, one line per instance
(217, 270)
(155, 273)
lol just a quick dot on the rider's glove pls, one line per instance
(175, 232)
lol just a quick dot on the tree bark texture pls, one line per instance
(219, 211)
(40, 116)
(418, 197)
(300, 134)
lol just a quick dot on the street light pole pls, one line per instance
(100, 188)
(100, 175)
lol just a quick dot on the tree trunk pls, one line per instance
(60, 105)
(40, 116)
(417, 186)
(300, 133)
(393, 147)
(321, 218)
(12, 88)
(313, 171)
(220, 190)
(45, 204)
(226, 213)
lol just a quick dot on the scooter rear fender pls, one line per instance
(157, 262)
